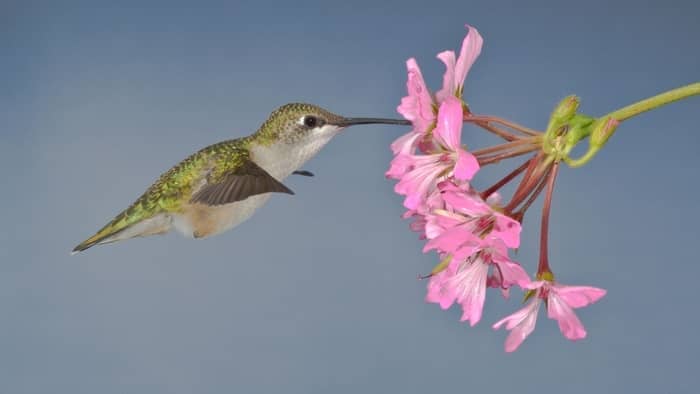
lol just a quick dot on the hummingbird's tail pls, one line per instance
(128, 224)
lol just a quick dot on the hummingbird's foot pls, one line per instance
(303, 173)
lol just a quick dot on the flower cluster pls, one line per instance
(472, 231)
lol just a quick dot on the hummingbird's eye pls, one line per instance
(310, 121)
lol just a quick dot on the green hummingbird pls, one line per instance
(222, 185)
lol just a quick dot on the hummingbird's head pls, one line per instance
(296, 122)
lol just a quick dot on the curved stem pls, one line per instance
(656, 101)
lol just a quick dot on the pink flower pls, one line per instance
(466, 221)
(479, 216)
(456, 72)
(561, 301)
(465, 281)
(419, 106)
(426, 170)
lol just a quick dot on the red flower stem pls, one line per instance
(533, 196)
(495, 130)
(528, 183)
(543, 265)
(488, 127)
(484, 161)
(498, 185)
(504, 122)
(501, 147)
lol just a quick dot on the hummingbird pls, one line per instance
(222, 185)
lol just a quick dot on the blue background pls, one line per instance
(317, 293)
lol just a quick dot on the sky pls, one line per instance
(317, 292)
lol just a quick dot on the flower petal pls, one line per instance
(471, 48)
(449, 241)
(470, 288)
(512, 273)
(569, 324)
(439, 291)
(579, 296)
(448, 79)
(418, 105)
(400, 165)
(406, 143)
(448, 130)
(466, 166)
(508, 230)
(521, 323)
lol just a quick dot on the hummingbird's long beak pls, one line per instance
(345, 122)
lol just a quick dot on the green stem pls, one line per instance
(655, 102)
(623, 114)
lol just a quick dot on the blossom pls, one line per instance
(419, 105)
(561, 300)
(465, 280)
(467, 210)
(456, 71)
(451, 160)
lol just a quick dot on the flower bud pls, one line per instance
(563, 113)
(566, 109)
(602, 130)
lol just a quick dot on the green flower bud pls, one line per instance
(602, 130)
(566, 109)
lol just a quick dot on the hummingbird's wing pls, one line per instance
(245, 180)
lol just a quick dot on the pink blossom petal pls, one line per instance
(470, 287)
(456, 70)
(405, 144)
(437, 224)
(416, 184)
(569, 324)
(512, 273)
(448, 130)
(439, 291)
(507, 230)
(579, 296)
(418, 105)
(399, 166)
(448, 79)
(521, 324)
(471, 48)
(469, 204)
(466, 166)
(449, 241)
(450, 186)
